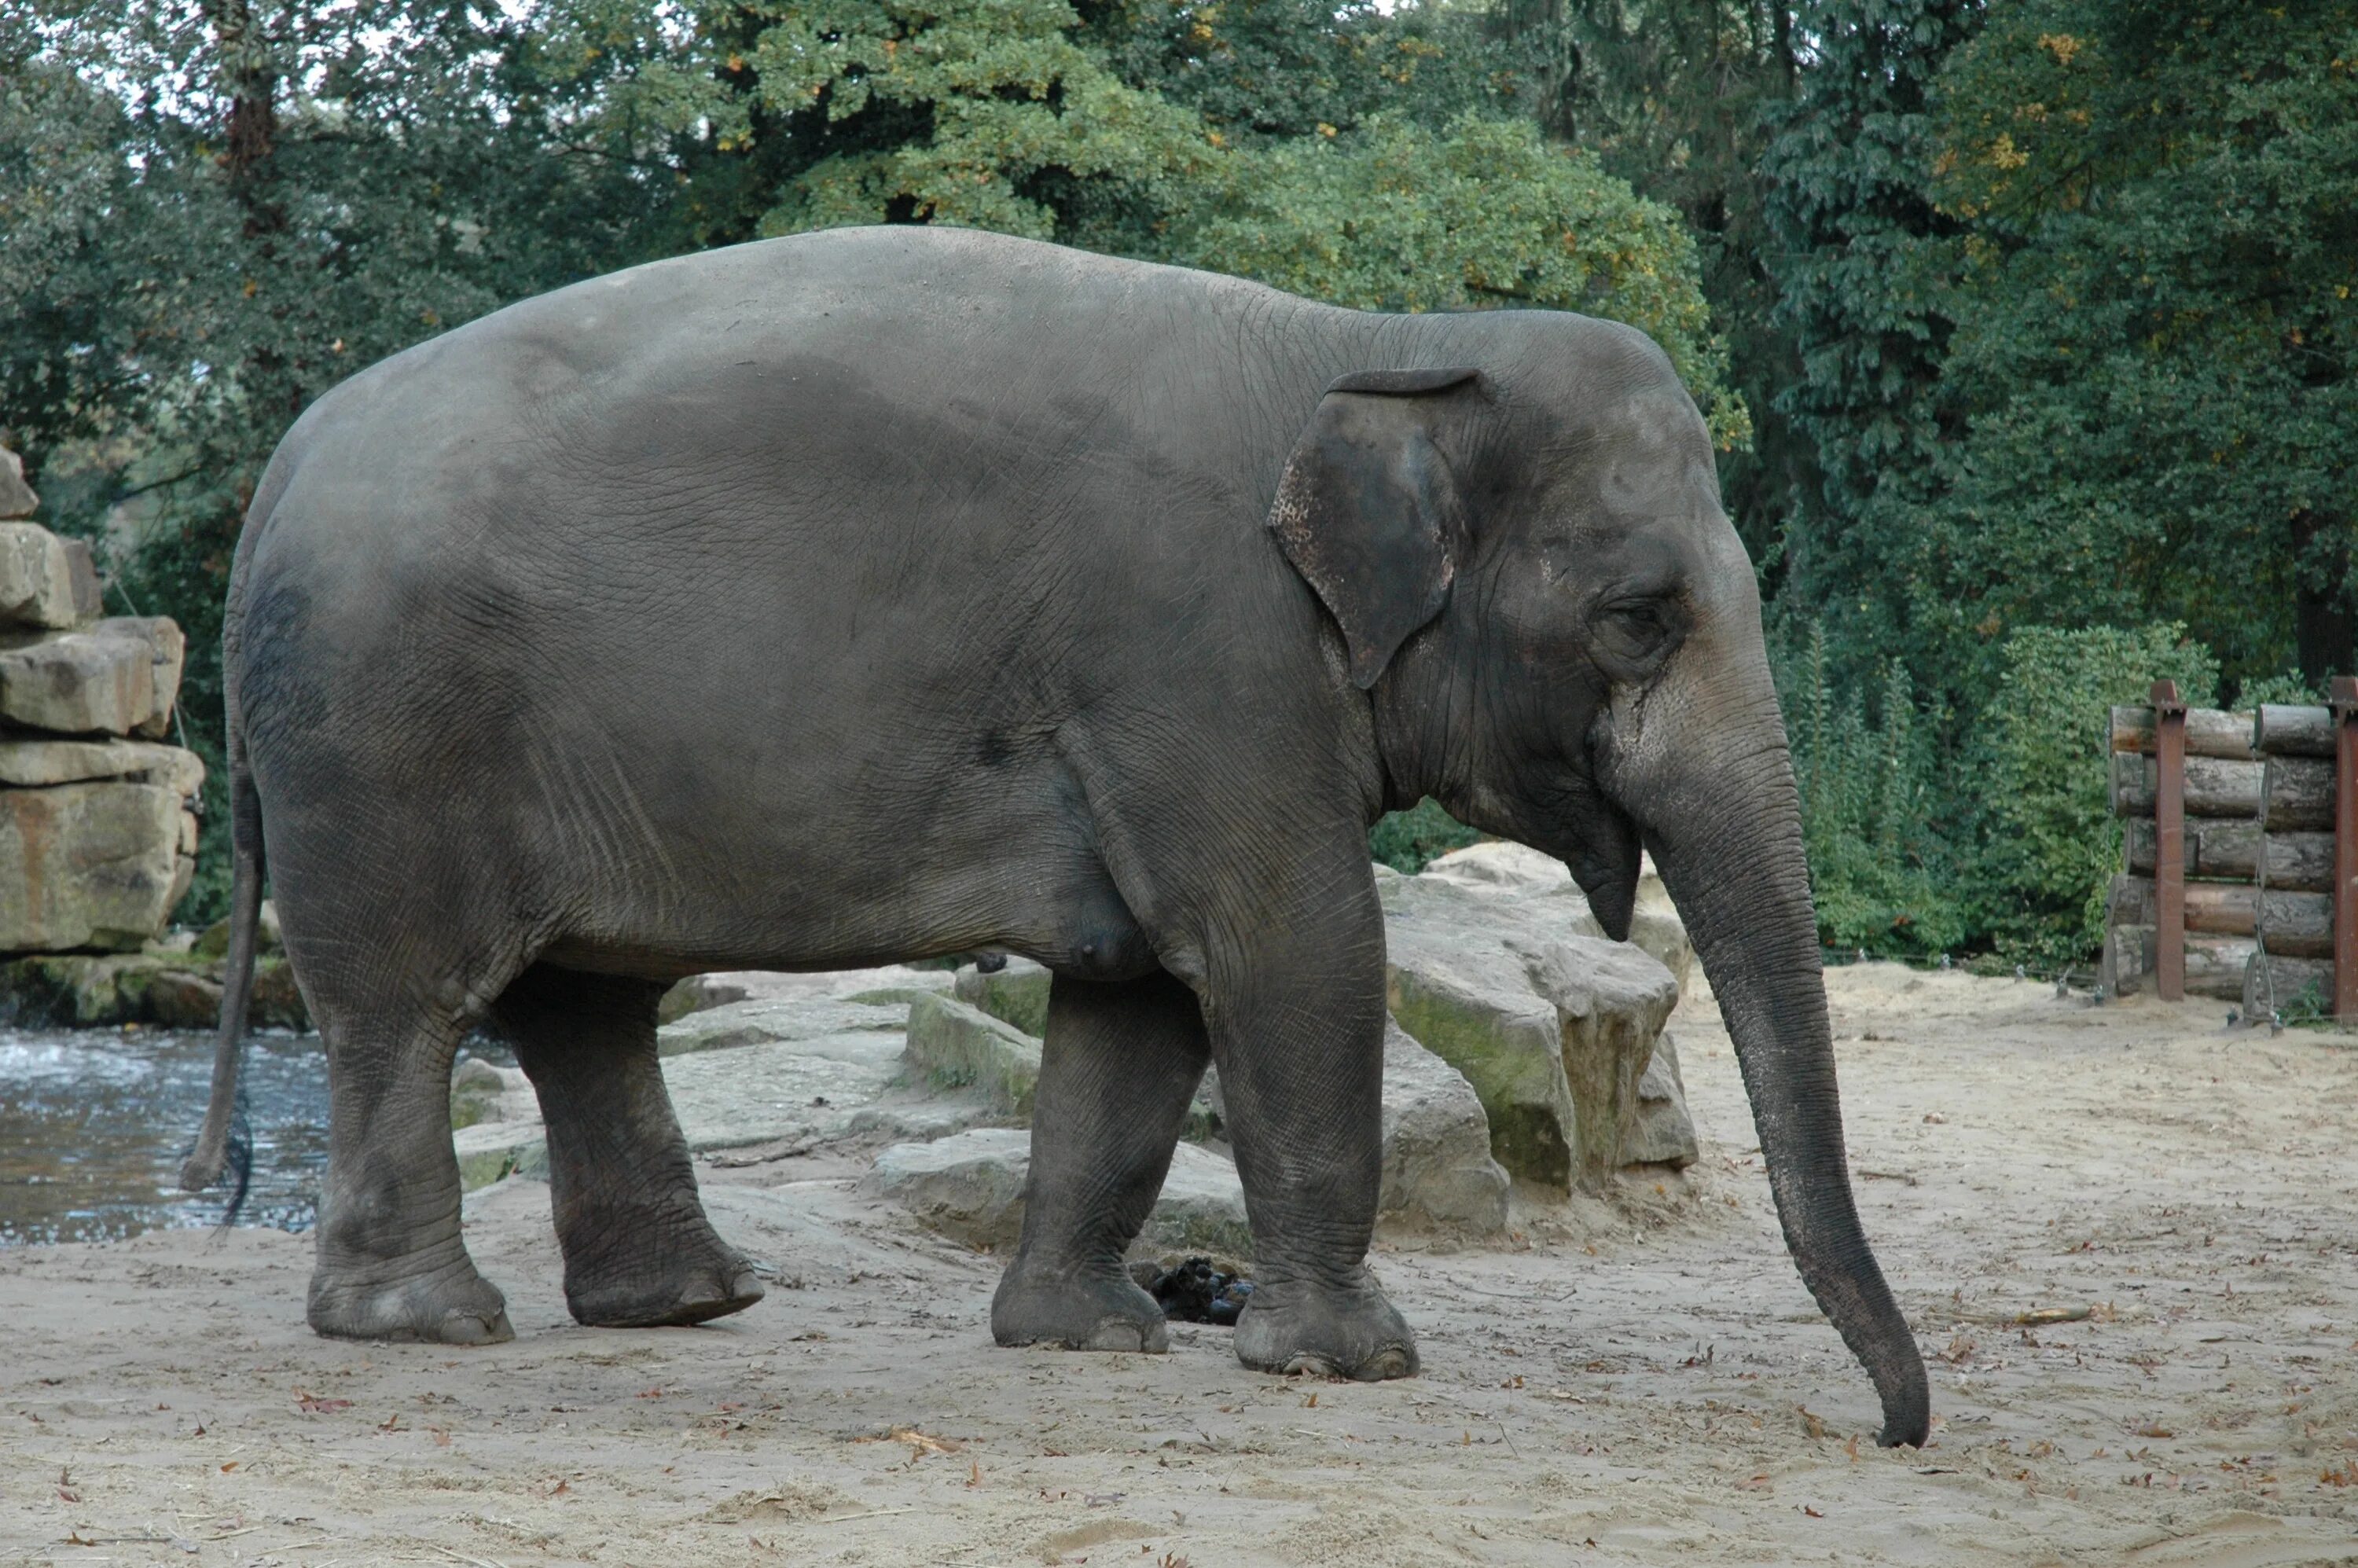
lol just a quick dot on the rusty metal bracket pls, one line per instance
(2343, 699)
(2169, 841)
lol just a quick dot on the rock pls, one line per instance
(697, 993)
(889, 983)
(213, 944)
(1454, 987)
(86, 865)
(16, 497)
(1497, 866)
(32, 763)
(120, 676)
(806, 1090)
(277, 1001)
(493, 1151)
(952, 1046)
(1610, 1000)
(1437, 1163)
(76, 990)
(775, 1023)
(44, 581)
(1494, 864)
(970, 1188)
(1661, 1134)
(1016, 994)
(183, 998)
(476, 1090)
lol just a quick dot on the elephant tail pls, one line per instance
(223, 1144)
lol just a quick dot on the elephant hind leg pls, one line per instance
(639, 1251)
(389, 1263)
(1118, 1068)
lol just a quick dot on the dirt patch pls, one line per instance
(2126, 1237)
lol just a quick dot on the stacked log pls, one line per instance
(2258, 854)
(97, 835)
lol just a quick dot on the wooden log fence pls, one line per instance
(2239, 853)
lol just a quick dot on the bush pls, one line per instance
(1881, 871)
(2048, 843)
(1410, 841)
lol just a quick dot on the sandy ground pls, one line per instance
(1642, 1384)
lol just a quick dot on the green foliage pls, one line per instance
(1485, 213)
(1883, 876)
(2050, 843)
(2153, 361)
(2287, 686)
(1408, 840)
(1862, 260)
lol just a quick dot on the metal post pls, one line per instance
(2343, 698)
(2170, 842)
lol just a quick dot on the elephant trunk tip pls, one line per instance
(1907, 1409)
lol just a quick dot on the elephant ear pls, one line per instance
(1368, 510)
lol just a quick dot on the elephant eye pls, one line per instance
(1637, 629)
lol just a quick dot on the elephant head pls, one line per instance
(1559, 635)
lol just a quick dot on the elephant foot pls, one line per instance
(1351, 1331)
(1076, 1313)
(449, 1305)
(666, 1287)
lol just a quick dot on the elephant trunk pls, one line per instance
(1732, 861)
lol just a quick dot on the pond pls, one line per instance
(94, 1123)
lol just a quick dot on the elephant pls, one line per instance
(878, 593)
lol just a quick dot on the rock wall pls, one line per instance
(98, 831)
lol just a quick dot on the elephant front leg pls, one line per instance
(1296, 1027)
(1119, 1067)
(638, 1249)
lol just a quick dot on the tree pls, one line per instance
(2153, 357)
(213, 216)
(1482, 214)
(1862, 260)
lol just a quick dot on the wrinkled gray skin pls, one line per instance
(890, 592)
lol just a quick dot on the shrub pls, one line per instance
(1881, 871)
(1408, 840)
(2048, 843)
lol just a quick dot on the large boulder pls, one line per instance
(88, 865)
(1556, 1072)
(1457, 989)
(1016, 993)
(1610, 1002)
(1497, 866)
(118, 678)
(1437, 1163)
(952, 1046)
(44, 581)
(777, 1022)
(969, 1186)
(36, 762)
(16, 497)
(1661, 1132)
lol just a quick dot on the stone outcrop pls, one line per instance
(953, 1045)
(1610, 1002)
(1016, 993)
(98, 837)
(1437, 1163)
(1496, 965)
(969, 1186)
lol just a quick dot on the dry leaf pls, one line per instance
(2053, 1314)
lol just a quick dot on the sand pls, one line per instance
(1639, 1382)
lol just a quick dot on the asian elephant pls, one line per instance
(890, 592)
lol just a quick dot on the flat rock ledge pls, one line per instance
(969, 1186)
